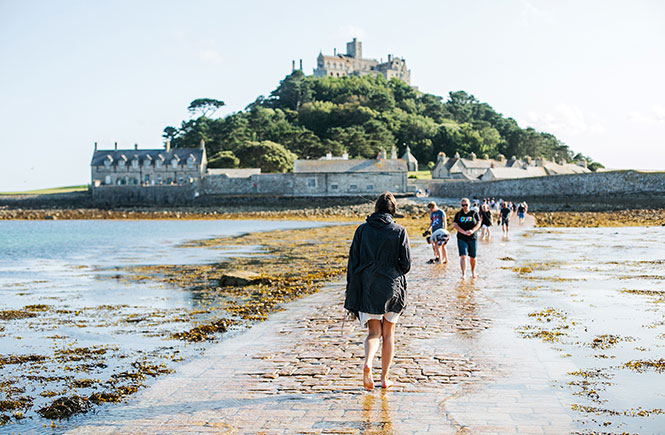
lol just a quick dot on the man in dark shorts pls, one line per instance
(505, 218)
(467, 223)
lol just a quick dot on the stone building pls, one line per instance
(486, 169)
(352, 63)
(331, 176)
(411, 162)
(134, 167)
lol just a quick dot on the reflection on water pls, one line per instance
(376, 418)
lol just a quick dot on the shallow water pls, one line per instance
(59, 280)
(596, 296)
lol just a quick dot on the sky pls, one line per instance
(73, 73)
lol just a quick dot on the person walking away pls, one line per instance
(505, 218)
(379, 259)
(521, 211)
(486, 221)
(467, 223)
(437, 219)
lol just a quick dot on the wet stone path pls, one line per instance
(459, 368)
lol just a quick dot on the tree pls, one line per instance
(205, 106)
(460, 105)
(267, 155)
(292, 92)
(224, 159)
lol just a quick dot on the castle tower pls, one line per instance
(354, 49)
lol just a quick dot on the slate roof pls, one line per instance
(180, 154)
(509, 173)
(349, 166)
(235, 173)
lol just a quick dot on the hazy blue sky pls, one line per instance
(76, 72)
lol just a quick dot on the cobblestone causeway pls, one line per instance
(459, 368)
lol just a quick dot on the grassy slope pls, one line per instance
(65, 189)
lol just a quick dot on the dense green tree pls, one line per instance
(224, 159)
(267, 155)
(205, 106)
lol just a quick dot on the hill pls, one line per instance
(307, 117)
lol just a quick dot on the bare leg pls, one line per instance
(387, 351)
(472, 261)
(436, 251)
(371, 347)
(445, 253)
(462, 263)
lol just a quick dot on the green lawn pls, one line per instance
(65, 189)
(420, 175)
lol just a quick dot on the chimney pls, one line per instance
(136, 146)
(441, 157)
(95, 146)
(116, 146)
(293, 65)
(168, 145)
(390, 57)
(345, 156)
(203, 144)
(328, 156)
(381, 155)
(334, 52)
(300, 64)
(540, 162)
(393, 153)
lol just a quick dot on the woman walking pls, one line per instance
(379, 258)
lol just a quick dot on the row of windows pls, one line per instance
(147, 164)
(147, 181)
(311, 182)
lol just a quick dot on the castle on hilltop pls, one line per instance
(353, 64)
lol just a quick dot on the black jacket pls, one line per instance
(379, 258)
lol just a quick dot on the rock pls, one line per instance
(240, 278)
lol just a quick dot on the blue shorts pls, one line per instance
(466, 247)
(520, 214)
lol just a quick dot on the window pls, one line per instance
(159, 180)
(158, 164)
(121, 164)
(190, 163)
(333, 187)
(107, 164)
(169, 180)
(370, 187)
(147, 179)
(135, 164)
(146, 163)
(107, 180)
(311, 182)
(180, 179)
(353, 187)
(174, 163)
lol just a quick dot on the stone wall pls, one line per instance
(303, 184)
(145, 195)
(608, 187)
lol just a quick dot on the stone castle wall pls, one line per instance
(619, 185)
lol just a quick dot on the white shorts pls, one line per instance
(389, 316)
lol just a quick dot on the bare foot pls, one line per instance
(463, 276)
(368, 382)
(386, 383)
(473, 275)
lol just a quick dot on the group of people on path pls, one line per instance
(380, 258)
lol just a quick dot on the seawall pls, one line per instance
(592, 191)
